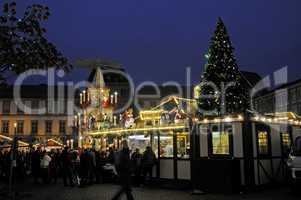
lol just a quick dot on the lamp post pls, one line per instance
(13, 161)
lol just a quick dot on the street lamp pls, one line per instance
(15, 128)
(13, 160)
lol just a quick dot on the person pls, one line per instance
(45, 166)
(1, 164)
(35, 164)
(98, 160)
(123, 167)
(66, 167)
(137, 165)
(53, 166)
(148, 162)
(76, 167)
(111, 156)
(101, 163)
(84, 168)
(92, 166)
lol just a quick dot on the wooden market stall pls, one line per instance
(7, 142)
(220, 154)
(237, 152)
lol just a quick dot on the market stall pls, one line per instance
(234, 152)
(6, 142)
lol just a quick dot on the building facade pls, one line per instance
(41, 118)
(286, 98)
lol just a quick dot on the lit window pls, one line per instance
(20, 127)
(183, 145)
(263, 143)
(220, 143)
(5, 127)
(166, 146)
(62, 127)
(34, 127)
(48, 127)
(220, 140)
(139, 141)
(286, 142)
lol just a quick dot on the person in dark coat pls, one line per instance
(148, 162)
(137, 166)
(123, 167)
(111, 156)
(35, 164)
(53, 166)
(84, 168)
(66, 167)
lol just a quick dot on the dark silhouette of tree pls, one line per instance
(23, 45)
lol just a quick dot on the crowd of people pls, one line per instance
(77, 167)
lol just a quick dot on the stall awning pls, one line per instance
(9, 139)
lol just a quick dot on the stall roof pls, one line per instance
(21, 143)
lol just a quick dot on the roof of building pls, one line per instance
(251, 78)
(32, 91)
(283, 86)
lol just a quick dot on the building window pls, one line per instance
(62, 127)
(19, 111)
(6, 107)
(286, 142)
(298, 108)
(20, 127)
(183, 145)
(5, 127)
(293, 95)
(220, 140)
(263, 143)
(35, 104)
(34, 127)
(299, 93)
(48, 127)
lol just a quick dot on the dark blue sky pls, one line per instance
(156, 39)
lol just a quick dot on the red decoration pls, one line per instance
(105, 103)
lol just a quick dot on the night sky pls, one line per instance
(156, 39)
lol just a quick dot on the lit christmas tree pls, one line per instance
(221, 69)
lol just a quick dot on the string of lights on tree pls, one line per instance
(221, 68)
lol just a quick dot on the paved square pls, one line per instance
(106, 191)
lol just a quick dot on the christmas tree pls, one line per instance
(221, 79)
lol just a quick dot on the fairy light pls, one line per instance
(119, 131)
(228, 119)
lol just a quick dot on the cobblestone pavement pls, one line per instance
(106, 191)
